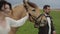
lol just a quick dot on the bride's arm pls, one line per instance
(17, 23)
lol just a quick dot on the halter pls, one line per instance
(34, 18)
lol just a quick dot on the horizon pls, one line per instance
(53, 3)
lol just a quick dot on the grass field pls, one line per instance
(28, 27)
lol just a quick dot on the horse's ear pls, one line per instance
(24, 1)
(2, 0)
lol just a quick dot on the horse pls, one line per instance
(20, 11)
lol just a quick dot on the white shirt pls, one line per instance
(12, 23)
(49, 24)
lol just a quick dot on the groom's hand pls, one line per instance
(54, 32)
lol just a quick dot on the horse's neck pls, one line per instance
(19, 12)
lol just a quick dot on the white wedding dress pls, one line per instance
(12, 23)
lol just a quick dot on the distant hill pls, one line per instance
(56, 9)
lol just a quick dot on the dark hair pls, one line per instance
(3, 3)
(45, 6)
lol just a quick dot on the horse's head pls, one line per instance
(32, 9)
(20, 10)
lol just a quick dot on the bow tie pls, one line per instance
(47, 16)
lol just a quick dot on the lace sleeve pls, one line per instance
(17, 23)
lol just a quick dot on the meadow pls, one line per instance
(28, 27)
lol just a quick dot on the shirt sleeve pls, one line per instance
(17, 23)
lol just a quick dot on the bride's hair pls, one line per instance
(3, 3)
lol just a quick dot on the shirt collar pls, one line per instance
(47, 15)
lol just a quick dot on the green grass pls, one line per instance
(28, 27)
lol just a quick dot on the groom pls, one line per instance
(49, 27)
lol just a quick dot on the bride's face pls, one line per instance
(6, 8)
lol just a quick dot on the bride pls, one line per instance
(6, 22)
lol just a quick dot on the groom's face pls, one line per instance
(47, 10)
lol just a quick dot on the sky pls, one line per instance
(55, 4)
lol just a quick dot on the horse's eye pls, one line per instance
(33, 10)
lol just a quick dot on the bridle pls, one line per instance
(34, 18)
